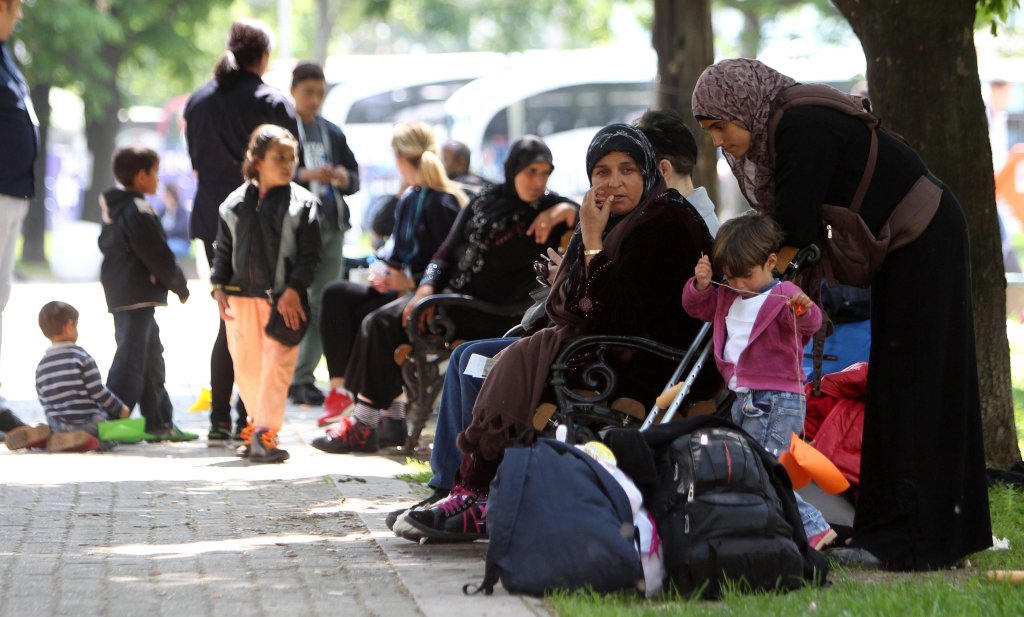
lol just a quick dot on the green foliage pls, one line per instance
(995, 12)
(85, 45)
(494, 25)
(417, 471)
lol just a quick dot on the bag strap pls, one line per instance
(821, 95)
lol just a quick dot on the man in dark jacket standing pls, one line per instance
(19, 129)
(138, 269)
(220, 116)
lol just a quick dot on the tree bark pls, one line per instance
(683, 39)
(750, 34)
(33, 230)
(101, 125)
(323, 26)
(941, 114)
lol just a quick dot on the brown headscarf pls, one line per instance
(502, 415)
(741, 91)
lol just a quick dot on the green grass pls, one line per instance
(856, 593)
(418, 471)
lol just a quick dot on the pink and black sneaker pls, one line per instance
(335, 404)
(460, 517)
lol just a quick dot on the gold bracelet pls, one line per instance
(592, 252)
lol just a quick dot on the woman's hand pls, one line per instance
(222, 304)
(547, 220)
(421, 292)
(594, 217)
(290, 308)
(391, 279)
(702, 272)
(554, 261)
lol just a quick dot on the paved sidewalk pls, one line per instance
(187, 530)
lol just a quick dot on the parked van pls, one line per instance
(370, 94)
(562, 96)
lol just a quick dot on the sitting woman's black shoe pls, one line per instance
(849, 557)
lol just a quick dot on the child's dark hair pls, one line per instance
(745, 242)
(307, 70)
(130, 161)
(265, 136)
(671, 139)
(54, 316)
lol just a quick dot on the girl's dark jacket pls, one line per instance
(135, 252)
(266, 245)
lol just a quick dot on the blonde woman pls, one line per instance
(362, 324)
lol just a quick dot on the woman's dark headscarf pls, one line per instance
(523, 153)
(499, 208)
(630, 141)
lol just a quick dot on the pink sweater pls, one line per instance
(772, 359)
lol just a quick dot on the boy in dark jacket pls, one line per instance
(138, 270)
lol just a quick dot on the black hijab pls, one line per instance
(500, 208)
(634, 144)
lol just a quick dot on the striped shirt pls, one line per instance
(70, 388)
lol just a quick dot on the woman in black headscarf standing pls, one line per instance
(487, 254)
(623, 274)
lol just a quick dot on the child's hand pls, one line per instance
(125, 412)
(702, 272)
(800, 303)
(222, 304)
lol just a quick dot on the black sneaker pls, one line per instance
(218, 437)
(461, 517)
(349, 436)
(263, 448)
(392, 432)
(305, 394)
(438, 495)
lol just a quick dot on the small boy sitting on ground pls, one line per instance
(138, 269)
(69, 385)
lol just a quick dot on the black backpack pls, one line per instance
(724, 507)
(556, 519)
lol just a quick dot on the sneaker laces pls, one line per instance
(247, 432)
(460, 500)
(268, 439)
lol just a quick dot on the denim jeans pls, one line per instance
(456, 411)
(137, 372)
(771, 417)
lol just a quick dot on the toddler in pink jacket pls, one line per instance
(760, 327)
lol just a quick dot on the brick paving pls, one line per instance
(188, 530)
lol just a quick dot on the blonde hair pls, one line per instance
(415, 143)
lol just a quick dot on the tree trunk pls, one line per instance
(684, 41)
(750, 34)
(940, 113)
(323, 27)
(33, 230)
